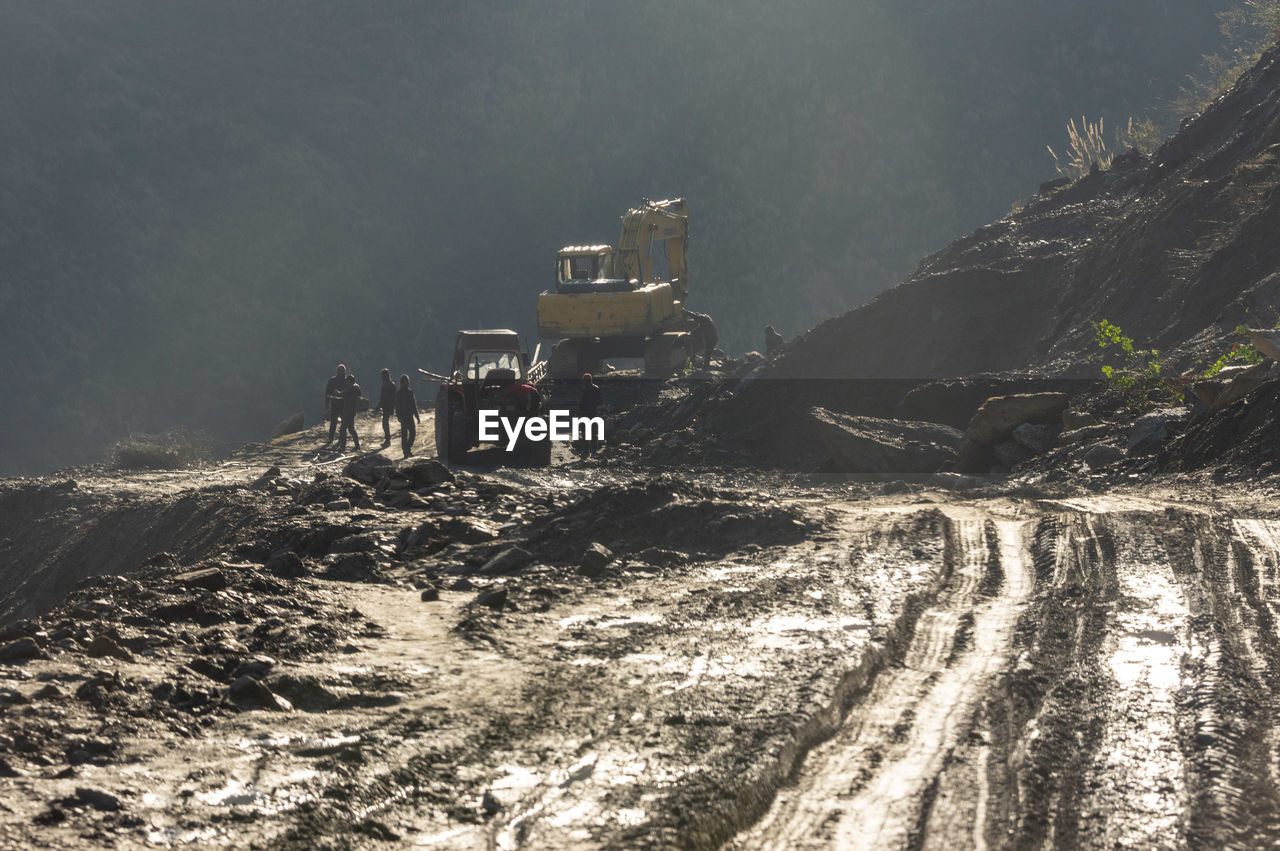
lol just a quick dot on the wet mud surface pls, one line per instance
(584, 656)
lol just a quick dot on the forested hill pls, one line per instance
(204, 204)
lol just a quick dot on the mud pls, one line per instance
(214, 658)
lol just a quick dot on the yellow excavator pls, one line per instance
(610, 302)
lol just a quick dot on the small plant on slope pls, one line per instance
(1131, 372)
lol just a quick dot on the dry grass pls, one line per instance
(174, 449)
(1086, 149)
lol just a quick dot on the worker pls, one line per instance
(591, 404)
(333, 399)
(387, 405)
(407, 413)
(525, 397)
(350, 401)
(772, 340)
(709, 337)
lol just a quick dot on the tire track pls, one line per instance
(877, 782)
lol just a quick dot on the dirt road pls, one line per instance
(791, 665)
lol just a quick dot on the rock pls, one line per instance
(286, 565)
(510, 560)
(1010, 453)
(1102, 455)
(105, 645)
(870, 445)
(997, 418)
(267, 479)
(494, 598)
(405, 500)
(1077, 419)
(338, 505)
(1083, 434)
(594, 560)
(462, 584)
(954, 481)
(1034, 437)
(1208, 390)
(430, 595)
(99, 800)
(21, 650)
(257, 667)
(424, 472)
(1150, 432)
(248, 693)
(289, 425)
(354, 544)
(662, 558)
(353, 567)
(490, 804)
(209, 578)
(370, 468)
(1240, 384)
(467, 530)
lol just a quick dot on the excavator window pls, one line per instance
(580, 268)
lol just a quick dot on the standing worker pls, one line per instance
(333, 399)
(591, 404)
(386, 404)
(772, 340)
(407, 414)
(709, 336)
(350, 401)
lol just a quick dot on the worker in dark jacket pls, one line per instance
(407, 414)
(709, 336)
(386, 404)
(333, 399)
(590, 404)
(350, 403)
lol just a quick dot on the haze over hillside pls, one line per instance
(204, 206)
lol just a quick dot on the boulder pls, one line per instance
(248, 693)
(870, 445)
(424, 472)
(1011, 453)
(1072, 420)
(1102, 455)
(338, 505)
(105, 645)
(369, 468)
(97, 799)
(1034, 437)
(997, 418)
(1150, 432)
(289, 425)
(494, 598)
(286, 565)
(1082, 434)
(21, 650)
(209, 579)
(954, 481)
(594, 560)
(510, 560)
(1239, 384)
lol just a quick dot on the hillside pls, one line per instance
(202, 209)
(1177, 250)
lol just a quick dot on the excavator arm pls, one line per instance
(655, 226)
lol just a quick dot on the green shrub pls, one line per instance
(1133, 373)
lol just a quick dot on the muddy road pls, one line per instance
(296, 659)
